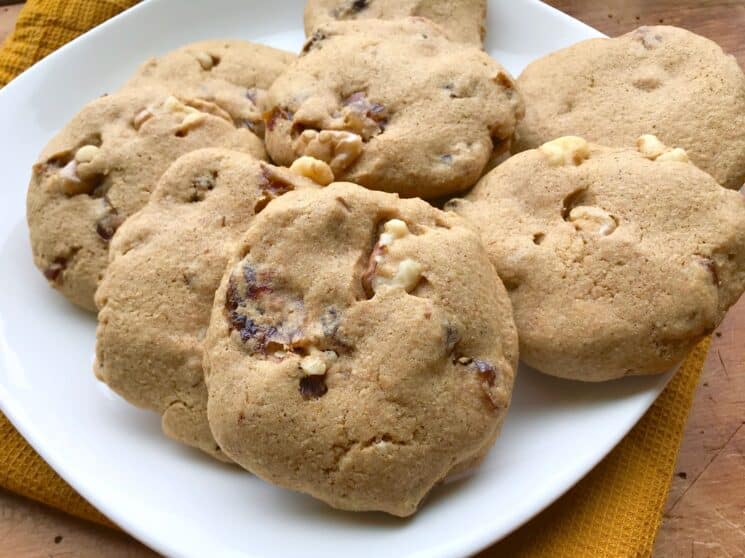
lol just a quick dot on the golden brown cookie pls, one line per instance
(463, 20)
(617, 261)
(166, 263)
(101, 168)
(230, 73)
(656, 80)
(393, 106)
(362, 354)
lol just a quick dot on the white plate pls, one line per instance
(175, 500)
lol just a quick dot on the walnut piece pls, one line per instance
(206, 60)
(86, 153)
(315, 169)
(654, 150)
(313, 365)
(592, 219)
(383, 270)
(339, 149)
(567, 150)
(408, 273)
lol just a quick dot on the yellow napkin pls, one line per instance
(614, 512)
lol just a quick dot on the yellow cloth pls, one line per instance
(614, 512)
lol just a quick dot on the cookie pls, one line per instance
(233, 74)
(361, 355)
(166, 263)
(101, 168)
(617, 260)
(393, 106)
(656, 80)
(463, 21)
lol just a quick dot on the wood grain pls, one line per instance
(28, 529)
(705, 515)
(8, 15)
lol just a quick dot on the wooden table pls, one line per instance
(705, 514)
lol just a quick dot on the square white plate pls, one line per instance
(175, 500)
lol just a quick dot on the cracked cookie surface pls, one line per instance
(463, 20)
(100, 169)
(232, 74)
(617, 261)
(166, 263)
(657, 80)
(393, 106)
(362, 355)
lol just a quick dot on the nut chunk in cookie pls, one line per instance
(617, 261)
(362, 355)
(662, 80)
(462, 20)
(166, 263)
(230, 73)
(101, 168)
(393, 106)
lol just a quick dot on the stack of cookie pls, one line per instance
(251, 228)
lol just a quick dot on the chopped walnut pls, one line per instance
(360, 116)
(407, 276)
(193, 116)
(318, 362)
(393, 229)
(192, 120)
(141, 117)
(339, 149)
(653, 149)
(206, 60)
(313, 365)
(79, 176)
(381, 271)
(650, 146)
(677, 154)
(315, 169)
(592, 219)
(86, 153)
(567, 150)
(68, 181)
